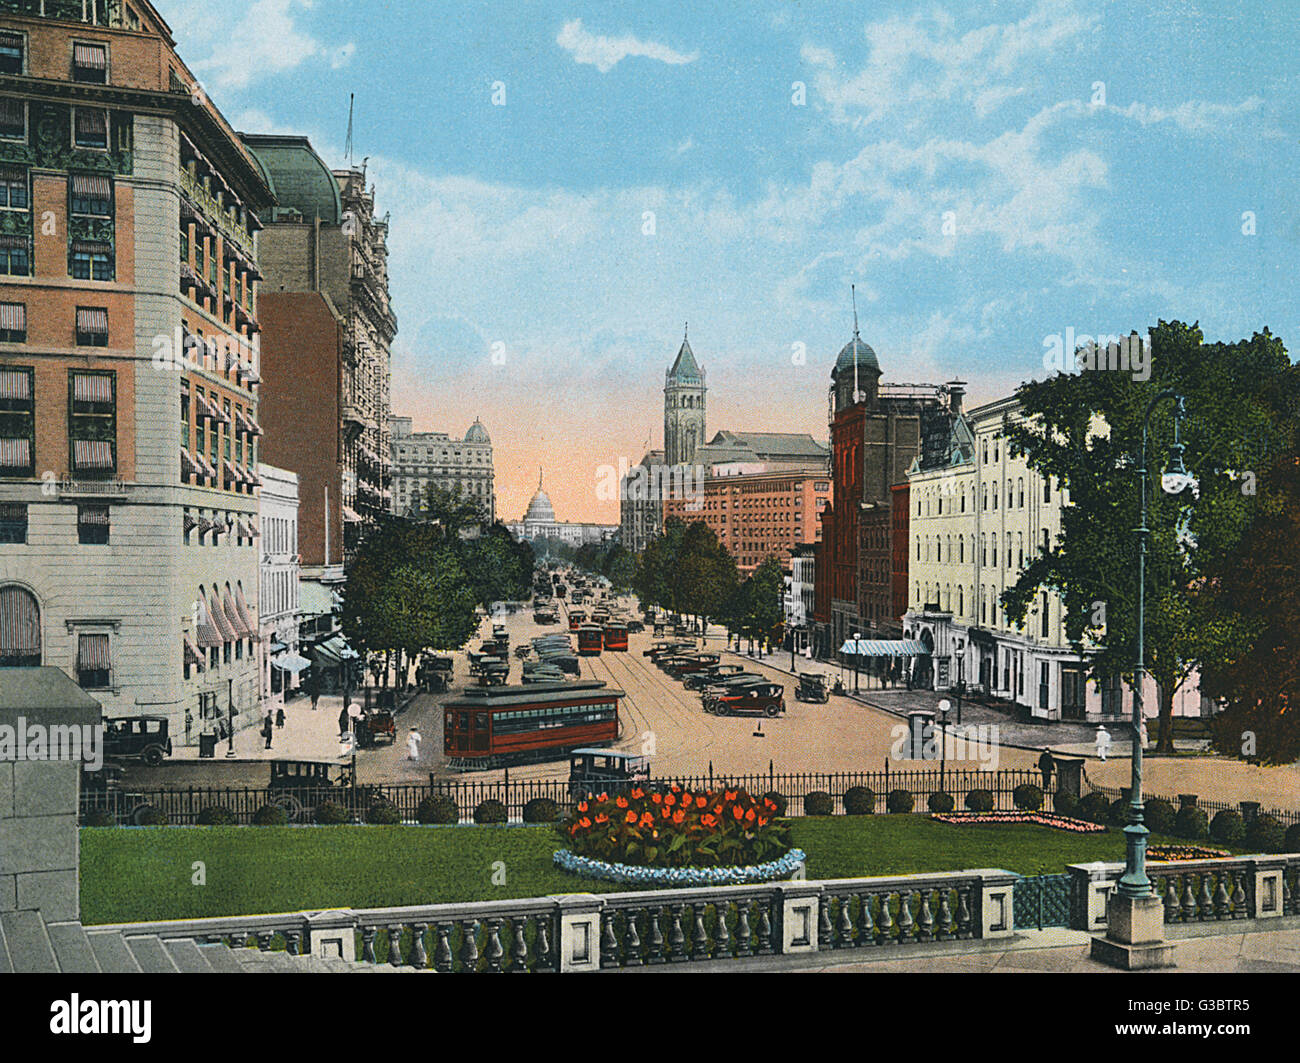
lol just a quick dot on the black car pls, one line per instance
(761, 699)
(137, 738)
(715, 674)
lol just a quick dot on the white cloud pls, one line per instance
(605, 53)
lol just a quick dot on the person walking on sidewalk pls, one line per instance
(279, 717)
(1046, 764)
(413, 744)
(344, 724)
(267, 730)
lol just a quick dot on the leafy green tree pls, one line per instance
(1084, 432)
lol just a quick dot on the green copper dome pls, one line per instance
(298, 176)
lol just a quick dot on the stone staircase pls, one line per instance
(29, 945)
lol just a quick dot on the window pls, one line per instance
(12, 50)
(90, 63)
(13, 322)
(90, 128)
(1047, 489)
(17, 422)
(1044, 674)
(1020, 492)
(92, 423)
(92, 326)
(13, 522)
(91, 195)
(92, 261)
(14, 191)
(1046, 615)
(93, 662)
(92, 525)
(13, 118)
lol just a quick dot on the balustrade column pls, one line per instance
(866, 931)
(608, 942)
(676, 938)
(699, 936)
(906, 923)
(885, 925)
(655, 937)
(633, 939)
(395, 945)
(469, 946)
(442, 958)
(743, 937)
(419, 958)
(368, 945)
(964, 919)
(519, 953)
(492, 950)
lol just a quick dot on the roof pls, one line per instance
(530, 694)
(685, 370)
(857, 350)
(298, 176)
(614, 754)
(48, 692)
(727, 446)
(477, 433)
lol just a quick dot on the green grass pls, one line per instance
(146, 875)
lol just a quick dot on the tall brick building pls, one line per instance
(129, 413)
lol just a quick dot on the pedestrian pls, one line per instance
(279, 717)
(413, 744)
(1103, 741)
(1142, 733)
(267, 730)
(343, 722)
(1046, 765)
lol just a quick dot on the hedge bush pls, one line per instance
(1094, 807)
(941, 802)
(491, 811)
(1065, 803)
(149, 816)
(99, 818)
(216, 816)
(1227, 827)
(383, 813)
(270, 816)
(1028, 797)
(541, 810)
(1117, 812)
(819, 803)
(1266, 835)
(980, 801)
(1159, 816)
(900, 801)
(437, 809)
(331, 814)
(1292, 838)
(777, 799)
(1192, 823)
(860, 801)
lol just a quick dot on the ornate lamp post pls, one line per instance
(1134, 914)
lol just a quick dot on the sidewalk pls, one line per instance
(306, 735)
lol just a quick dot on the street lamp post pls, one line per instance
(945, 707)
(230, 711)
(856, 654)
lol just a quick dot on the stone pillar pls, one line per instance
(1093, 884)
(1069, 774)
(579, 942)
(331, 934)
(996, 916)
(798, 907)
(1267, 872)
(1135, 934)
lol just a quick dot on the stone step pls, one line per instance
(6, 964)
(72, 948)
(185, 954)
(112, 953)
(29, 945)
(152, 955)
(219, 958)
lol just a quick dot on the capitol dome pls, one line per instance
(540, 508)
(477, 433)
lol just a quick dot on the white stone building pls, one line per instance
(278, 600)
(424, 460)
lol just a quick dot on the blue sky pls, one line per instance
(989, 175)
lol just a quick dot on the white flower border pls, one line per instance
(681, 876)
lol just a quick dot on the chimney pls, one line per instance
(956, 390)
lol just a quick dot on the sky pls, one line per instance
(571, 183)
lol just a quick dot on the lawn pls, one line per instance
(147, 874)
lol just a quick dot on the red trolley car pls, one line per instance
(490, 727)
(576, 619)
(589, 640)
(616, 637)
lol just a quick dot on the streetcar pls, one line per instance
(616, 637)
(576, 619)
(491, 727)
(590, 639)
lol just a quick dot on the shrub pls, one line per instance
(1266, 835)
(1065, 803)
(777, 799)
(1192, 823)
(541, 810)
(491, 811)
(437, 809)
(1159, 816)
(270, 816)
(331, 813)
(1292, 838)
(1027, 796)
(383, 812)
(149, 816)
(860, 801)
(679, 828)
(1117, 812)
(1227, 827)
(216, 816)
(99, 818)
(941, 802)
(899, 801)
(1094, 807)
(819, 803)
(980, 801)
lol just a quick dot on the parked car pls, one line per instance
(375, 727)
(137, 738)
(689, 664)
(714, 673)
(591, 770)
(761, 699)
(635, 626)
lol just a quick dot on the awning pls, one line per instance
(13, 318)
(193, 654)
(88, 387)
(291, 662)
(208, 632)
(334, 650)
(92, 653)
(93, 321)
(92, 454)
(245, 615)
(91, 186)
(191, 467)
(90, 247)
(277, 646)
(221, 620)
(12, 111)
(885, 648)
(90, 56)
(351, 514)
(190, 522)
(15, 453)
(20, 623)
(91, 122)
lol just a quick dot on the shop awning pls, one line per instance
(13, 318)
(208, 631)
(92, 454)
(291, 662)
(245, 614)
(194, 655)
(92, 653)
(885, 648)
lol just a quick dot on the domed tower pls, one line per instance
(684, 393)
(856, 376)
(477, 433)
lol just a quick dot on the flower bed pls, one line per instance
(677, 828)
(1169, 853)
(681, 876)
(1042, 819)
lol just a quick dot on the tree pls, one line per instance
(706, 573)
(754, 608)
(1084, 433)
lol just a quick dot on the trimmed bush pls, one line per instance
(216, 816)
(1027, 796)
(1159, 816)
(1117, 812)
(270, 816)
(819, 803)
(1266, 835)
(1192, 823)
(491, 811)
(437, 809)
(99, 818)
(941, 802)
(777, 799)
(383, 813)
(980, 801)
(541, 810)
(1227, 827)
(331, 814)
(900, 801)
(860, 801)
(1065, 803)
(1094, 806)
(149, 816)
(1292, 838)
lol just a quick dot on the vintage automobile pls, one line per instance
(635, 626)
(761, 699)
(434, 673)
(721, 686)
(594, 770)
(813, 687)
(298, 786)
(374, 727)
(137, 738)
(702, 679)
(687, 664)
(667, 649)
(493, 672)
(544, 673)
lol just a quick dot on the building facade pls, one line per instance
(641, 502)
(278, 599)
(540, 522)
(685, 395)
(799, 611)
(129, 408)
(424, 460)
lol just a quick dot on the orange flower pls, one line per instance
(762, 821)
(676, 789)
(656, 798)
(637, 794)
(768, 803)
(678, 816)
(666, 812)
(621, 802)
(700, 802)
(631, 817)
(709, 821)
(582, 806)
(602, 818)
(670, 800)
(729, 795)
(736, 811)
(686, 797)
(647, 820)
(584, 822)
(603, 797)
(749, 816)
